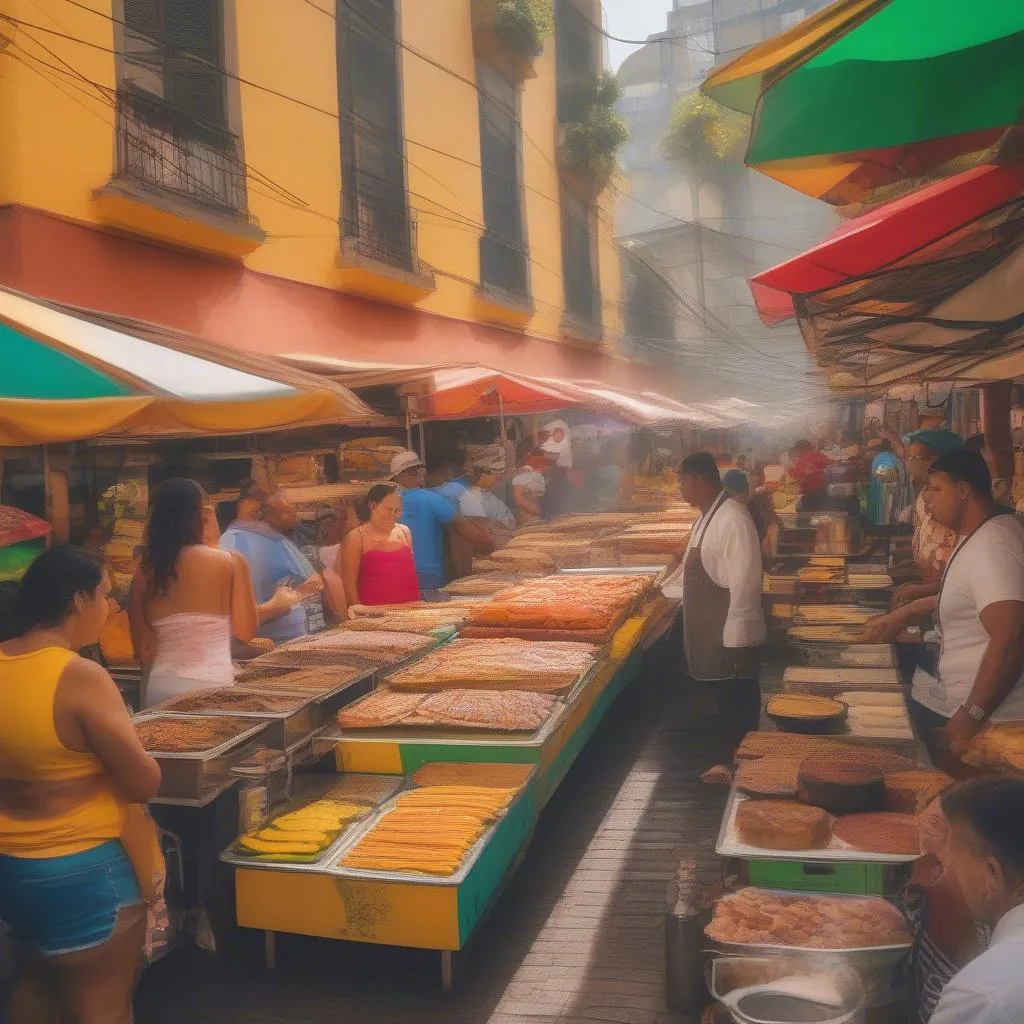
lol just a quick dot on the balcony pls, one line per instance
(378, 247)
(510, 36)
(178, 181)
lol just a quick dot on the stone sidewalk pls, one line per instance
(577, 937)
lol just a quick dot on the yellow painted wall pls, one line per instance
(59, 140)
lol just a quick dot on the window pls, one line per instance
(576, 51)
(579, 270)
(503, 251)
(172, 134)
(374, 215)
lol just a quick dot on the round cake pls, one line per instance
(783, 825)
(882, 832)
(839, 785)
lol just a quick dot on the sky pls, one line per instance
(633, 19)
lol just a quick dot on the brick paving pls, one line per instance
(577, 937)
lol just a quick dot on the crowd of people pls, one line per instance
(79, 858)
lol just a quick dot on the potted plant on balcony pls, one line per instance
(592, 131)
(509, 34)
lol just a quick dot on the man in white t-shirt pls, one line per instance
(980, 608)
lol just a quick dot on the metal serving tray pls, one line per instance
(729, 844)
(308, 793)
(283, 728)
(846, 655)
(192, 776)
(456, 879)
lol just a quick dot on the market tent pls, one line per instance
(917, 228)
(838, 110)
(646, 409)
(451, 392)
(72, 374)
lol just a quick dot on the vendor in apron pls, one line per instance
(723, 617)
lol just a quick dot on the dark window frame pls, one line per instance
(375, 217)
(581, 291)
(504, 248)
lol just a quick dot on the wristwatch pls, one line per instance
(978, 713)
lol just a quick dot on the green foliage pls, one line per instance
(705, 136)
(579, 93)
(591, 144)
(523, 25)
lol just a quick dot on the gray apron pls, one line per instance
(705, 609)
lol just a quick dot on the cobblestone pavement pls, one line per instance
(577, 937)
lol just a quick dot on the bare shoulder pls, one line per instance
(82, 681)
(405, 534)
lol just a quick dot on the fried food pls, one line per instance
(499, 776)
(760, 917)
(230, 698)
(511, 710)
(771, 776)
(761, 744)
(188, 735)
(430, 829)
(804, 706)
(543, 666)
(379, 708)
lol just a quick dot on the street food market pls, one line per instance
(512, 510)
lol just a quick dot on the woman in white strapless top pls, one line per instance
(190, 598)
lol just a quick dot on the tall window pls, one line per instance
(577, 55)
(172, 133)
(375, 215)
(503, 251)
(579, 266)
(173, 52)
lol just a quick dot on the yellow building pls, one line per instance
(202, 163)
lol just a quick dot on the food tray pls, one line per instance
(468, 862)
(846, 655)
(729, 844)
(614, 570)
(310, 791)
(191, 776)
(283, 728)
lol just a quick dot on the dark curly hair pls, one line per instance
(175, 522)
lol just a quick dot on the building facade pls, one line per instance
(376, 180)
(706, 234)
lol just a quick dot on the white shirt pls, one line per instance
(990, 569)
(477, 503)
(990, 989)
(532, 479)
(731, 555)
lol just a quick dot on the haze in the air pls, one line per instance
(632, 19)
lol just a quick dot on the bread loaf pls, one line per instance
(840, 785)
(910, 792)
(782, 825)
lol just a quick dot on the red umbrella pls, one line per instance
(888, 235)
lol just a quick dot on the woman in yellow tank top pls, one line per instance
(71, 766)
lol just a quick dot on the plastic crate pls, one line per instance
(853, 878)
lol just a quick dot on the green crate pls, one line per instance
(853, 878)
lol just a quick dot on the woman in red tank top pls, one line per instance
(377, 566)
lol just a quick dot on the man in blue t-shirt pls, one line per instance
(427, 515)
(285, 584)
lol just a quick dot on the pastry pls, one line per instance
(881, 832)
(910, 792)
(761, 917)
(782, 825)
(840, 784)
(772, 776)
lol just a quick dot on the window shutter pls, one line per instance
(195, 81)
(142, 17)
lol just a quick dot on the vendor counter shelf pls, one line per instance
(729, 844)
(409, 909)
(205, 800)
(553, 747)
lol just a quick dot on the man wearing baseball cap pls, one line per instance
(427, 515)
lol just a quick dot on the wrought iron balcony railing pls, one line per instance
(164, 151)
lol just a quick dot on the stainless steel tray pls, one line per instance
(443, 881)
(729, 844)
(283, 728)
(192, 776)
(311, 791)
